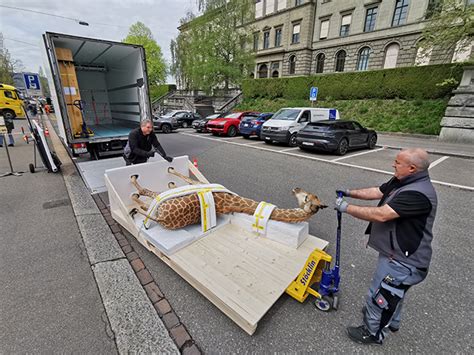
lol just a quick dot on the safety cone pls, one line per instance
(195, 162)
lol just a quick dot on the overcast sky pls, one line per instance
(161, 16)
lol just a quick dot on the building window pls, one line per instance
(324, 29)
(434, 8)
(292, 67)
(370, 18)
(263, 71)
(281, 4)
(340, 60)
(320, 62)
(295, 38)
(345, 25)
(255, 41)
(258, 8)
(266, 39)
(400, 14)
(275, 69)
(391, 56)
(275, 74)
(278, 37)
(363, 59)
(298, 2)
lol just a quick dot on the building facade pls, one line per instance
(305, 37)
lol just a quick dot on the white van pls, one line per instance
(285, 124)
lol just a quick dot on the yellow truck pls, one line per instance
(11, 104)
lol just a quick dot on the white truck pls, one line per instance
(100, 90)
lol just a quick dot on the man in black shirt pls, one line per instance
(400, 229)
(141, 140)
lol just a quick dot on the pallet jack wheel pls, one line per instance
(32, 168)
(335, 302)
(323, 304)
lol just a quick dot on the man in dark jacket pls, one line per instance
(400, 230)
(142, 144)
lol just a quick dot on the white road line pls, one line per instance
(436, 162)
(357, 154)
(287, 150)
(470, 188)
(255, 143)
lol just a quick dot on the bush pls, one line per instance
(425, 82)
(157, 91)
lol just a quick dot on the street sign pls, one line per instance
(32, 84)
(313, 93)
(332, 114)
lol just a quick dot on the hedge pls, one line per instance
(423, 82)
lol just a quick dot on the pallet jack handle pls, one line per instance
(338, 234)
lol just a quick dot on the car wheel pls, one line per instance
(184, 124)
(166, 128)
(292, 140)
(8, 115)
(232, 131)
(246, 136)
(372, 141)
(268, 141)
(342, 147)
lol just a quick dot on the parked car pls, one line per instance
(229, 124)
(165, 123)
(201, 124)
(286, 122)
(186, 118)
(252, 126)
(337, 136)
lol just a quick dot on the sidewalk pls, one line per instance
(66, 284)
(431, 143)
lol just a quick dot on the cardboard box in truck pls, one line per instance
(99, 89)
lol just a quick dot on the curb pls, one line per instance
(430, 151)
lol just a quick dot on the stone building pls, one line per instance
(304, 37)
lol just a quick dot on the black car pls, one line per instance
(200, 125)
(186, 118)
(335, 135)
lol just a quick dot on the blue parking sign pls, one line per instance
(32, 81)
(313, 93)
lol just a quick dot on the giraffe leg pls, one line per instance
(182, 177)
(142, 191)
(140, 203)
(134, 211)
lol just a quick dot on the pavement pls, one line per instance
(68, 284)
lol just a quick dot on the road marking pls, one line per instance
(287, 150)
(436, 162)
(470, 188)
(357, 154)
(255, 143)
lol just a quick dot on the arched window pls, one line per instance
(391, 55)
(340, 60)
(275, 74)
(263, 71)
(292, 67)
(363, 58)
(320, 62)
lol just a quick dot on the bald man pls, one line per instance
(400, 229)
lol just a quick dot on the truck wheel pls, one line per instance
(166, 128)
(232, 132)
(342, 147)
(292, 140)
(8, 115)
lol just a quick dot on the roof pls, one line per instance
(6, 86)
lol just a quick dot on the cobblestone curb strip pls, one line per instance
(176, 329)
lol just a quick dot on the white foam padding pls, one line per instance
(291, 234)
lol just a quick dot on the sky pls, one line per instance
(108, 19)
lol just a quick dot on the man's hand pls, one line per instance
(341, 205)
(151, 154)
(345, 192)
(168, 159)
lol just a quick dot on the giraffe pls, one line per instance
(181, 211)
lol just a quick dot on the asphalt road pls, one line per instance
(438, 313)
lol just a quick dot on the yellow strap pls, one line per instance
(205, 206)
(258, 215)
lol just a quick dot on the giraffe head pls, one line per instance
(308, 202)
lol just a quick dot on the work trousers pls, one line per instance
(10, 138)
(387, 291)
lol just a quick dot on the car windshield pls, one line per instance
(233, 115)
(286, 114)
(211, 117)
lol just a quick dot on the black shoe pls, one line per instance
(11, 145)
(362, 335)
(392, 329)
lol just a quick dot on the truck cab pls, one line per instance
(11, 103)
(286, 122)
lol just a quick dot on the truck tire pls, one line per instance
(165, 128)
(8, 115)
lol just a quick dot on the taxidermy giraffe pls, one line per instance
(181, 211)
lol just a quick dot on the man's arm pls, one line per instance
(372, 214)
(157, 145)
(371, 193)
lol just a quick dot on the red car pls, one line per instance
(229, 124)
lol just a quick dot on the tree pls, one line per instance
(450, 26)
(44, 82)
(8, 65)
(140, 34)
(212, 50)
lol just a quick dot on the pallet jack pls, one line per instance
(317, 272)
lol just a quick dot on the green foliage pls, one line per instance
(212, 51)
(140, 34)
(44, 82)
(404, 83)
(156, 91)
(407, 116)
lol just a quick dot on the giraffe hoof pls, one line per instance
(135, 195)
(134, 176)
